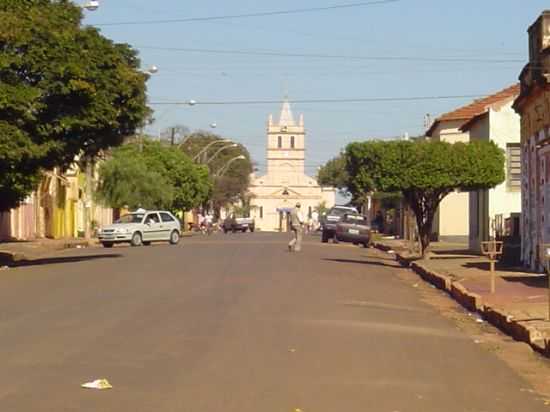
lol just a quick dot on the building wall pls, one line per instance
(453, 214)
(502, 126)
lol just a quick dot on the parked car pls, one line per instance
(331, 218)
(353, 228)
(142, 228)
(239, 224)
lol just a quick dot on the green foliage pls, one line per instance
(233, 184)
(334, 173)
(424, 172)
(18, 172)
(67, 89)
(157, 176)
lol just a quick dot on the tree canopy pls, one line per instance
(232, 185)
(334, 173)
(424, 172)
(152, 175)
(65, 90)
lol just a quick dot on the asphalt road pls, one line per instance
(236, 323)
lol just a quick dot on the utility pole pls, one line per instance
(172, 136)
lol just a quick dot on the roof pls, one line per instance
(477, 107)
(286, 118)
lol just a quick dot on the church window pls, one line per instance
(309, 212)
(292, 142)
(261, 212)
(279, 142)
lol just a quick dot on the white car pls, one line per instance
(142, 228)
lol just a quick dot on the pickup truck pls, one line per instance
(239, 224)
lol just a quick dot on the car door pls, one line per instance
(168, 223)
(153, 229)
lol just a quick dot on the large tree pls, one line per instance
(334, 173)
(65, 90)
(424, 172)
(230, 185)
(152, 175)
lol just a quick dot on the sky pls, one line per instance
(394, 49)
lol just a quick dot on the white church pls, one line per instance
(285, 184)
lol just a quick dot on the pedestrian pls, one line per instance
(296, 223)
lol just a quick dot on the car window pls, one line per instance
(165, 217)
(357, 219)
(131, 218)
(338, 212)
(152, 218)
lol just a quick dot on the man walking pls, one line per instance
(296, 222)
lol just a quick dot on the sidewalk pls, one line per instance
(519, 306)
(13, 252)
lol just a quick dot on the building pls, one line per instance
(533, 105)
(285, 182)
(453, 221)
(490, 209)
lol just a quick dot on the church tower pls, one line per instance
(286, 145)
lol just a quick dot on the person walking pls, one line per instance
(296, 223)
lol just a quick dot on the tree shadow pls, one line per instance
(363, 262)
(64, 259)
(531, 281)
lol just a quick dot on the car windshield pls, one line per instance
(357, 219)
(339, 212)
(131, 218)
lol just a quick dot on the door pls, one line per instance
(152, 229)
(168, 223)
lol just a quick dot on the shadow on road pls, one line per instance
(64, 259)
(363, 262)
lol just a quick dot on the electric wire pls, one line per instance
(251, 15)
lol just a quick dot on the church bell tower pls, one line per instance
(286, 144)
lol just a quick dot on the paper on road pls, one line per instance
(97, 384)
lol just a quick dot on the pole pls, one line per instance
(88, 202)
(173, 136)
(492, 275)
(548, 271)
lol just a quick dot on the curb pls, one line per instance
(523, 331)
(9, 258)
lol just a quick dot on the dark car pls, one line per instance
(240, 224)
(331, 218)
(354, 228)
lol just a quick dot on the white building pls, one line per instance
(489, 209)
(285, 182)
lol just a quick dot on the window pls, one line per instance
(152, 218)
(292, 142)
(261, 212)
(165, 217)
(513, 166)
(279, 142)
(309, 212)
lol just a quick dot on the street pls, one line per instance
(236, 323)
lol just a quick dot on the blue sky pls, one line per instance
(490, 34)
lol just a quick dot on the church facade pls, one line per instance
(285, 183)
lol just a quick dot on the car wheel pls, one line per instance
(146, 243)
(136, 239)
(366, 245)
(252, 230)
(324, 237)
(244, 230)
(174, 237)
(107, 244)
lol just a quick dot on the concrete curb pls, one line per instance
(9, 258)
(529, 331)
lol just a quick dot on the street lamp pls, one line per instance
(91, 5)
(220, 150)
(208, 146)
(225, 168)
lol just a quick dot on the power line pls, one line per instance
(299, 101)
(332, 56)
(250, 15)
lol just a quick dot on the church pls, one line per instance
(285, 183)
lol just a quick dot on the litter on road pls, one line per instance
(97, 384)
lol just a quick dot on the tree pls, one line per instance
(233, 184)
(65, 88)
(152, 175)
(334, 173)
(424, 172)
